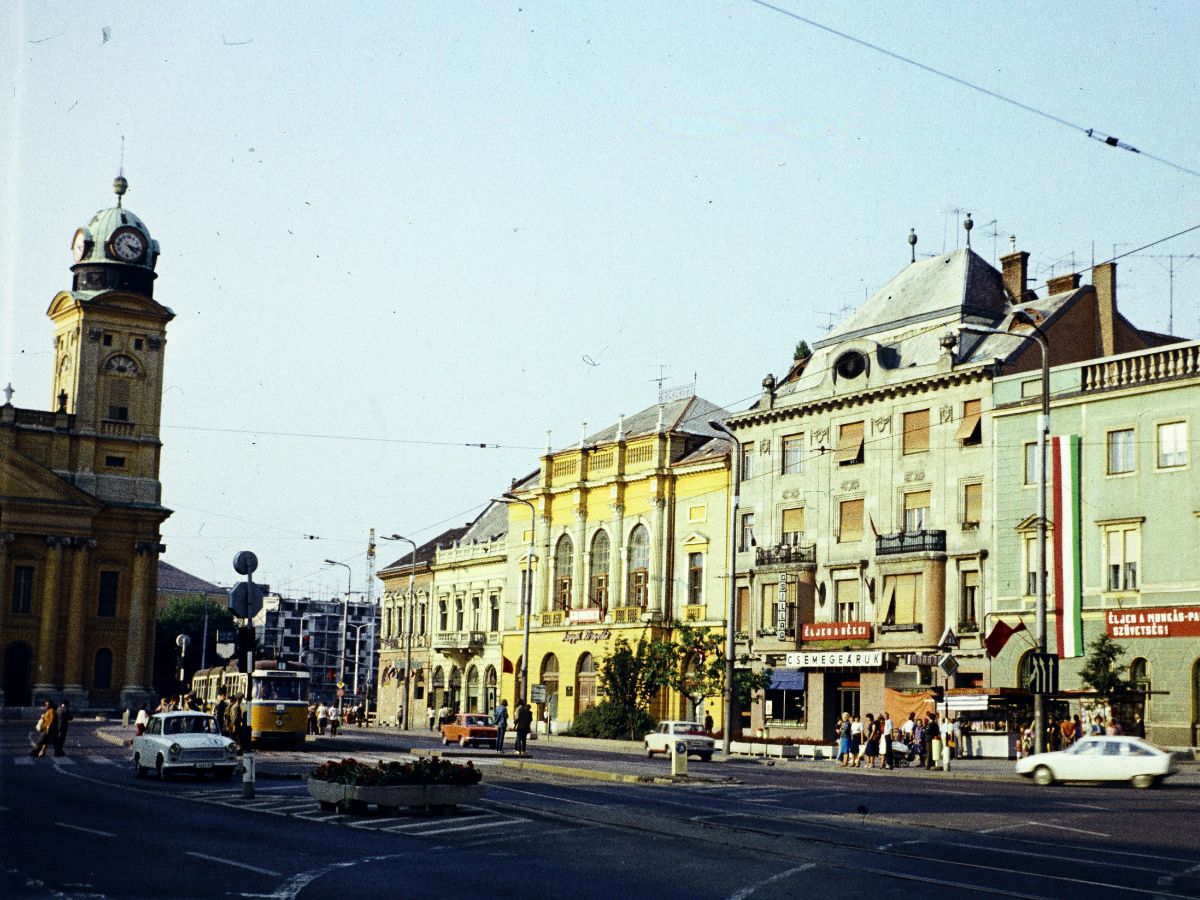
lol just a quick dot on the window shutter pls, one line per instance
(973, 504)
(793, 520)
(916, 431)
(850, 524)
(969, 426)
(850, 441)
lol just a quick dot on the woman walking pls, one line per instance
(47, 727)
(843, 733)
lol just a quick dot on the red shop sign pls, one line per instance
(835, 631)
(1154, 622)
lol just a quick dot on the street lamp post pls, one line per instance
(345, 617)
(731, 599)
(527, 598)
(1043, 431)
(408, 626)
(357, 636)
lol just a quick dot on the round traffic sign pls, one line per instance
(245, 563)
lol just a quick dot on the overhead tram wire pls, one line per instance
(482, 445)
(1092, 133)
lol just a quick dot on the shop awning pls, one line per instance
(967, 702)
(788, 680)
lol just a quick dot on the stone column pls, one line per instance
(76, 650)
(654, 602)
(935, 600)
(579, 576)
(616, 559)
(47, 678)
(135, 689)
(543, 582)
(6, 538)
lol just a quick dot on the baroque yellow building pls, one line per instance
(629, 531)
(80, 499)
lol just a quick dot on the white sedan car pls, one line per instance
(691, 733)
(183, 742)
(1101, 758)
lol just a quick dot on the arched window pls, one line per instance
(1025, 669)
(585, 683)
(1139, 674)
(439, 679)
(102, 670)
(598, 587)
(489, 688)
(639, 566)
(473, 689)
(564, 561)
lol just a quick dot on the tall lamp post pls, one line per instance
(342, 634)
(1043, 431)
(731, 600)
(527, 600)
(408, 625)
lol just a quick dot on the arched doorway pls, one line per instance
(489, 693)
(550, 681)
(456, 689)
(18, 674)
(473, 689)
(438, 688)
(585, 683)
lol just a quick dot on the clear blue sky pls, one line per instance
(412, 222)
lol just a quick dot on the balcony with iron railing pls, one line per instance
(905, 542)
(786, 554)
(459, 640)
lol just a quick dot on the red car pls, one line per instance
(470, 728)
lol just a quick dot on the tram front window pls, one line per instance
(277, 689)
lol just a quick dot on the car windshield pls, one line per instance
(477, 720)
(190, 725)
(273, 688)
(688, 728)
(1087, 748)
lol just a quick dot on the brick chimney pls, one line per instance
(1104, 279)
(1016, 274)
(1062, 283)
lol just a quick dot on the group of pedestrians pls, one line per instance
(324, 719)
(51, 729)
(875, 742)
(522, 721)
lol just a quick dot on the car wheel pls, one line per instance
(705, 757)
(138, 768)
(158, 767)
(462, 741)
(1043, 776)
(445, 741)
(649, 752)
(1143, 781)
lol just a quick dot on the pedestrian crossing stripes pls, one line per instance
(470, 818)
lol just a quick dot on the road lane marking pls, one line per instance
(750, 889)
(1084, 805)
(24, 760)
(103, 761)
(1085, 855)
(62, 761)
(546, 796)
(956, 793)
(95, 831)
(463, 828)
(1076, 830)
(229, 862)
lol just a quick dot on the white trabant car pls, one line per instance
(1101, 758)
(183, 742)
(661, 739)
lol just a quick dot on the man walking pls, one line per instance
(523, 719)
(60, 739)
(500, 720)
(219, 709)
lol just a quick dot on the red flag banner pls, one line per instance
(999, 636)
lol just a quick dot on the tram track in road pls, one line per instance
(999, 865)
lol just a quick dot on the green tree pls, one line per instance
(629, 678)
(699, 669)
(185, 615)
(1102, 670)
(802, 351)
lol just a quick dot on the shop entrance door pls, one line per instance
(848, 698)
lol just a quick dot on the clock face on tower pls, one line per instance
(80, 244)
(127, 244)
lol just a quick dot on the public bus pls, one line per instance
(278, 698)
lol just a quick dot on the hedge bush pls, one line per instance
(607, 720)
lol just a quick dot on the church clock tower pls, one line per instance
(109, 340)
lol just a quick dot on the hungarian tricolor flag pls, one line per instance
(1068, 560)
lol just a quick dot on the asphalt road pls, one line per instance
(84, 827)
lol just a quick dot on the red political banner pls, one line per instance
(835, 631)
(1154, 622)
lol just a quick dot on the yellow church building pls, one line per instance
(80, 498)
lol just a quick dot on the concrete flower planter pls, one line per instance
(356, 798)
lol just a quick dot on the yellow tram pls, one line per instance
(278, 698)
